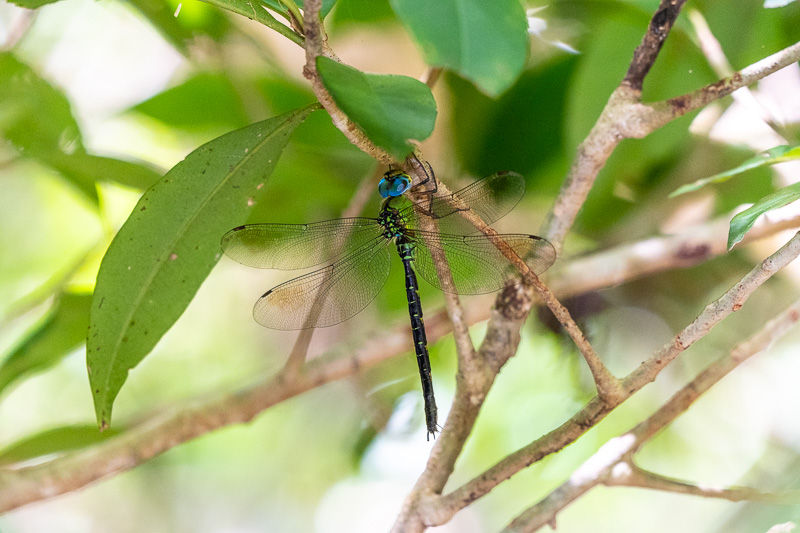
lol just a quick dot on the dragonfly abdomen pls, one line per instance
(406, 251)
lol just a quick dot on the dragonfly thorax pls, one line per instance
(393, 223)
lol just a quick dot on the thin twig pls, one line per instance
(664, 112)
(646, 53)
(316, 47)
(713, 52)
(256, 11)
(160, 433)
(174, 426)
(613, 465)
(596, 409)
(431, 76)
(636, 477)
(626, 117)
(19, 28)
(297, 356)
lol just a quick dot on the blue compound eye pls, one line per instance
(394, 184)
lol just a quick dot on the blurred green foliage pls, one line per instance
(70, 174)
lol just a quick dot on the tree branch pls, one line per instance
(636, 477)
(169, 428)
(646, 53)
(315, 47)
(596, 409)
(297, 357)
(612, 464)
(634, 260)
(626, 117)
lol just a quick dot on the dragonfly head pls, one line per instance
(394, 183)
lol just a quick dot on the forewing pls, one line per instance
(329, 295)
(291, 246)
(475, 263)
(490, 198)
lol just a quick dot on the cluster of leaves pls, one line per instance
(170, 242)
(506, 104)
(742, 222)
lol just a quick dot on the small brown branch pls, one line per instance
(161, 432)
(297, 357)
(680, 401)
(315, 47)
(609, 388)
(19, 28)
(431, 76)
(715, 56)
(596, 409)
(646, 53)
(636, 477)
(713, 314)
(590, 474)
(691, 246)
(665, 112)
(612, 464)
(626, 117)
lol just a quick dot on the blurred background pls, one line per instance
(128, 89)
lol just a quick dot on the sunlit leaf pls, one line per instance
(170, 243)
(513, 136)
(390, 109)
(59, 334)
(258, 12)
(91, 169)
(206, 100)
(163, 19)
(37, 119)
(32, 4)
(51, 441)
(280, 5)
(779, 154)
(742, 222)
(485, 42)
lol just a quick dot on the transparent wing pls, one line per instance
(329, 295)
(291, 246)
(476, 265)
(490, 198)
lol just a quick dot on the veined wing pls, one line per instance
(329, 295)
(490, 198)
(475, 263)
(291, 246)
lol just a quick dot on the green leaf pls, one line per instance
(205, 101)
(485, 42)
(390, 109)
(32, 4)
(89, 169)
(170, 243)
(162, 17)
(779, 154)
(52, 441)
(280, 6)
(259, 13)
(512, 135)
(36, 118)
(742, 222)
(60, 333)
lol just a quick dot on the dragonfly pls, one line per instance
(357, 255)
